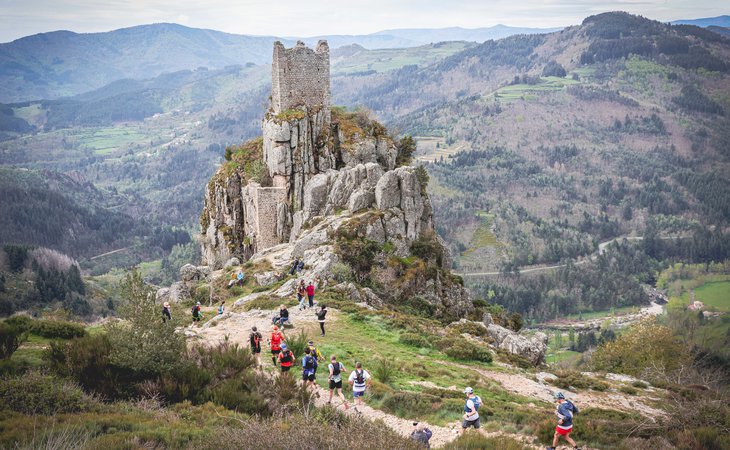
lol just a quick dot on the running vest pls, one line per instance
(275, 341)
(286, 358)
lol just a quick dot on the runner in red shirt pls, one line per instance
(310, 294)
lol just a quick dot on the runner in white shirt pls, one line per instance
(360, 380)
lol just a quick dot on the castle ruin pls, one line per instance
(300, 77)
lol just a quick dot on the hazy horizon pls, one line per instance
(288, 18)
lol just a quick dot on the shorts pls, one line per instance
(335, 384)
(471, 423)
(285, 368)
(356, 394)
(255, 350)
(308, 376)
(275, 352)
(196, 319)
(563, 431)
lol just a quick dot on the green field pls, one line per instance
(383, 60)
(715, 295)
(587, 315)
(103, 141)
(515, 92)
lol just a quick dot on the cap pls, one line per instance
(254, 329)
(559, 396)
(283, 346)
(311, 342)
(468, 390)
(198, 303)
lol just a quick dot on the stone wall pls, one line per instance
(300, 77)
(266, 200)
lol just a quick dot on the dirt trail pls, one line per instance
(236, 327)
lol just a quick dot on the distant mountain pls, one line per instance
(719, 21)
(433, 35)
(725, 31)
(63, 63)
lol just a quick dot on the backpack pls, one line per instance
(275, 340)
(359, 376)
(314, 353)
(285, 356)
(256, 339)
(336, 369)
(195, 311)
(477, 402)
(574, 408)
(308, 362)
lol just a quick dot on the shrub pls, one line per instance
(11, 337)
(476, 441)
(572, 379)
(411, 404)
(297, 344)
(462, 349)
(628, 390)
(475, 329)
(639, 384)
(384, 369)
(414, 339)
(55, 329)
(34, 393)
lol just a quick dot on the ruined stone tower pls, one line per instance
(300, 77)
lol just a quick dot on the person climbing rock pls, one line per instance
(166, 312)
(310, 294)
(309, 369)
(360, 381)
(197, 313)
(222, 308)
(320, 317)
(335, 380)
(255, 339)
(275, 342)
(294, 266)
(565, 410)
(239, 278)
(421, 434)
(286, 358)
(471, 410)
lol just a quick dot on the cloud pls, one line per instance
(316, 17)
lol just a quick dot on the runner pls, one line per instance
(309, 369)
(471, 411)
(335, 380)
(222, 308)
(565, 410)
(276, 341)
(286, 358)
(320, 317)
(255, 339)
(421, 434)
(316, 353)
(360, 381)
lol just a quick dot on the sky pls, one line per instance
(303, 18)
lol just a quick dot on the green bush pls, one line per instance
(55, 329)
(297, 344)
(639, 384)
(411, 404)
(20, 321)
(414, 339)
(628, 390)
(472, 328)
(34, 393)
(476, 441)
(573, 379)
(11, 337)
(384, 369)
(468, 351)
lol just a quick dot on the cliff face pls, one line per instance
(322, 184)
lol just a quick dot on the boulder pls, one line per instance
(190, 273)
(178, 292)
(232, 262)
(162, 295)
(531, 349)
(267, 278)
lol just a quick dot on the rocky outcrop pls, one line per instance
(531, 349)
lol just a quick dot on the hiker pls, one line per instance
(222, 308)
(239, 278)
(565, 410)
(320, 317)
(232, 281)
(310, 294)
(294, 266)
(283, 317)
(421, 434)
(197, 313)
(301, 294)
(471, 410)
(286, 358)
(166, 312)
(275, 342)
(335, 380)
(316, 353)
(255, 339)
(360, 381)
(300, 266)
(309, 368)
